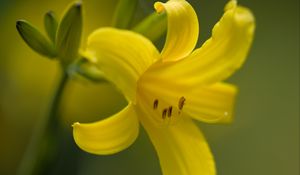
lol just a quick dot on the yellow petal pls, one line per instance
(181, 148)
(220, 56)
(207, 103)
(122, 56)
(110, 135)
(214, 103)
(183, 29)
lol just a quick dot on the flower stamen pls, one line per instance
(164, 113)
(181, 103)
(155, 104)
(170, 111)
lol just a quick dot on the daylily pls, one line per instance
(166, 90)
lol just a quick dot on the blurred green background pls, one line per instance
(263, 139)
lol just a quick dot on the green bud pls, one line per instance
(124, 13)
(69, 34)
(87, 70)
(50, 23)
(153, 26)
(34, 39)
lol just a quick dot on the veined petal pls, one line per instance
(219, 57)
(122, 56)
(110, 135)
(181, 148)
(183, 29)
(208, 103)
(211, 104)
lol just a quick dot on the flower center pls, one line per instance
(161, 105)
(160, 111)
(166, 113)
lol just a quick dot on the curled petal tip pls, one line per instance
(245, 15)
(75, 124)
(230, 5)
(89, 56)
(158, 6)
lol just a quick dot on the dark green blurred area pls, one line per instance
(263, 139)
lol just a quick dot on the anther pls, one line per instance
(170, 111)
(164, 113)
(181, 103)
(155, 104)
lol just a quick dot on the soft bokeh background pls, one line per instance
(264, 138)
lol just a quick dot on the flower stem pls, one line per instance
(124, 13)
(42, 150)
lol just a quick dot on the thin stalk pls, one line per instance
(124, 13)
(43, 146)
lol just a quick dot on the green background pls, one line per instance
(263, 139)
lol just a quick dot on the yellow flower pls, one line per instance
(166, 90)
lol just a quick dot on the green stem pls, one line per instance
(42, 149)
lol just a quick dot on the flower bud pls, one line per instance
(34, 39)
(50, 23)
(69, 34)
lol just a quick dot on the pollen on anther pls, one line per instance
(155, 104)
(164, 113)
(181, 103)
(170, 111)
